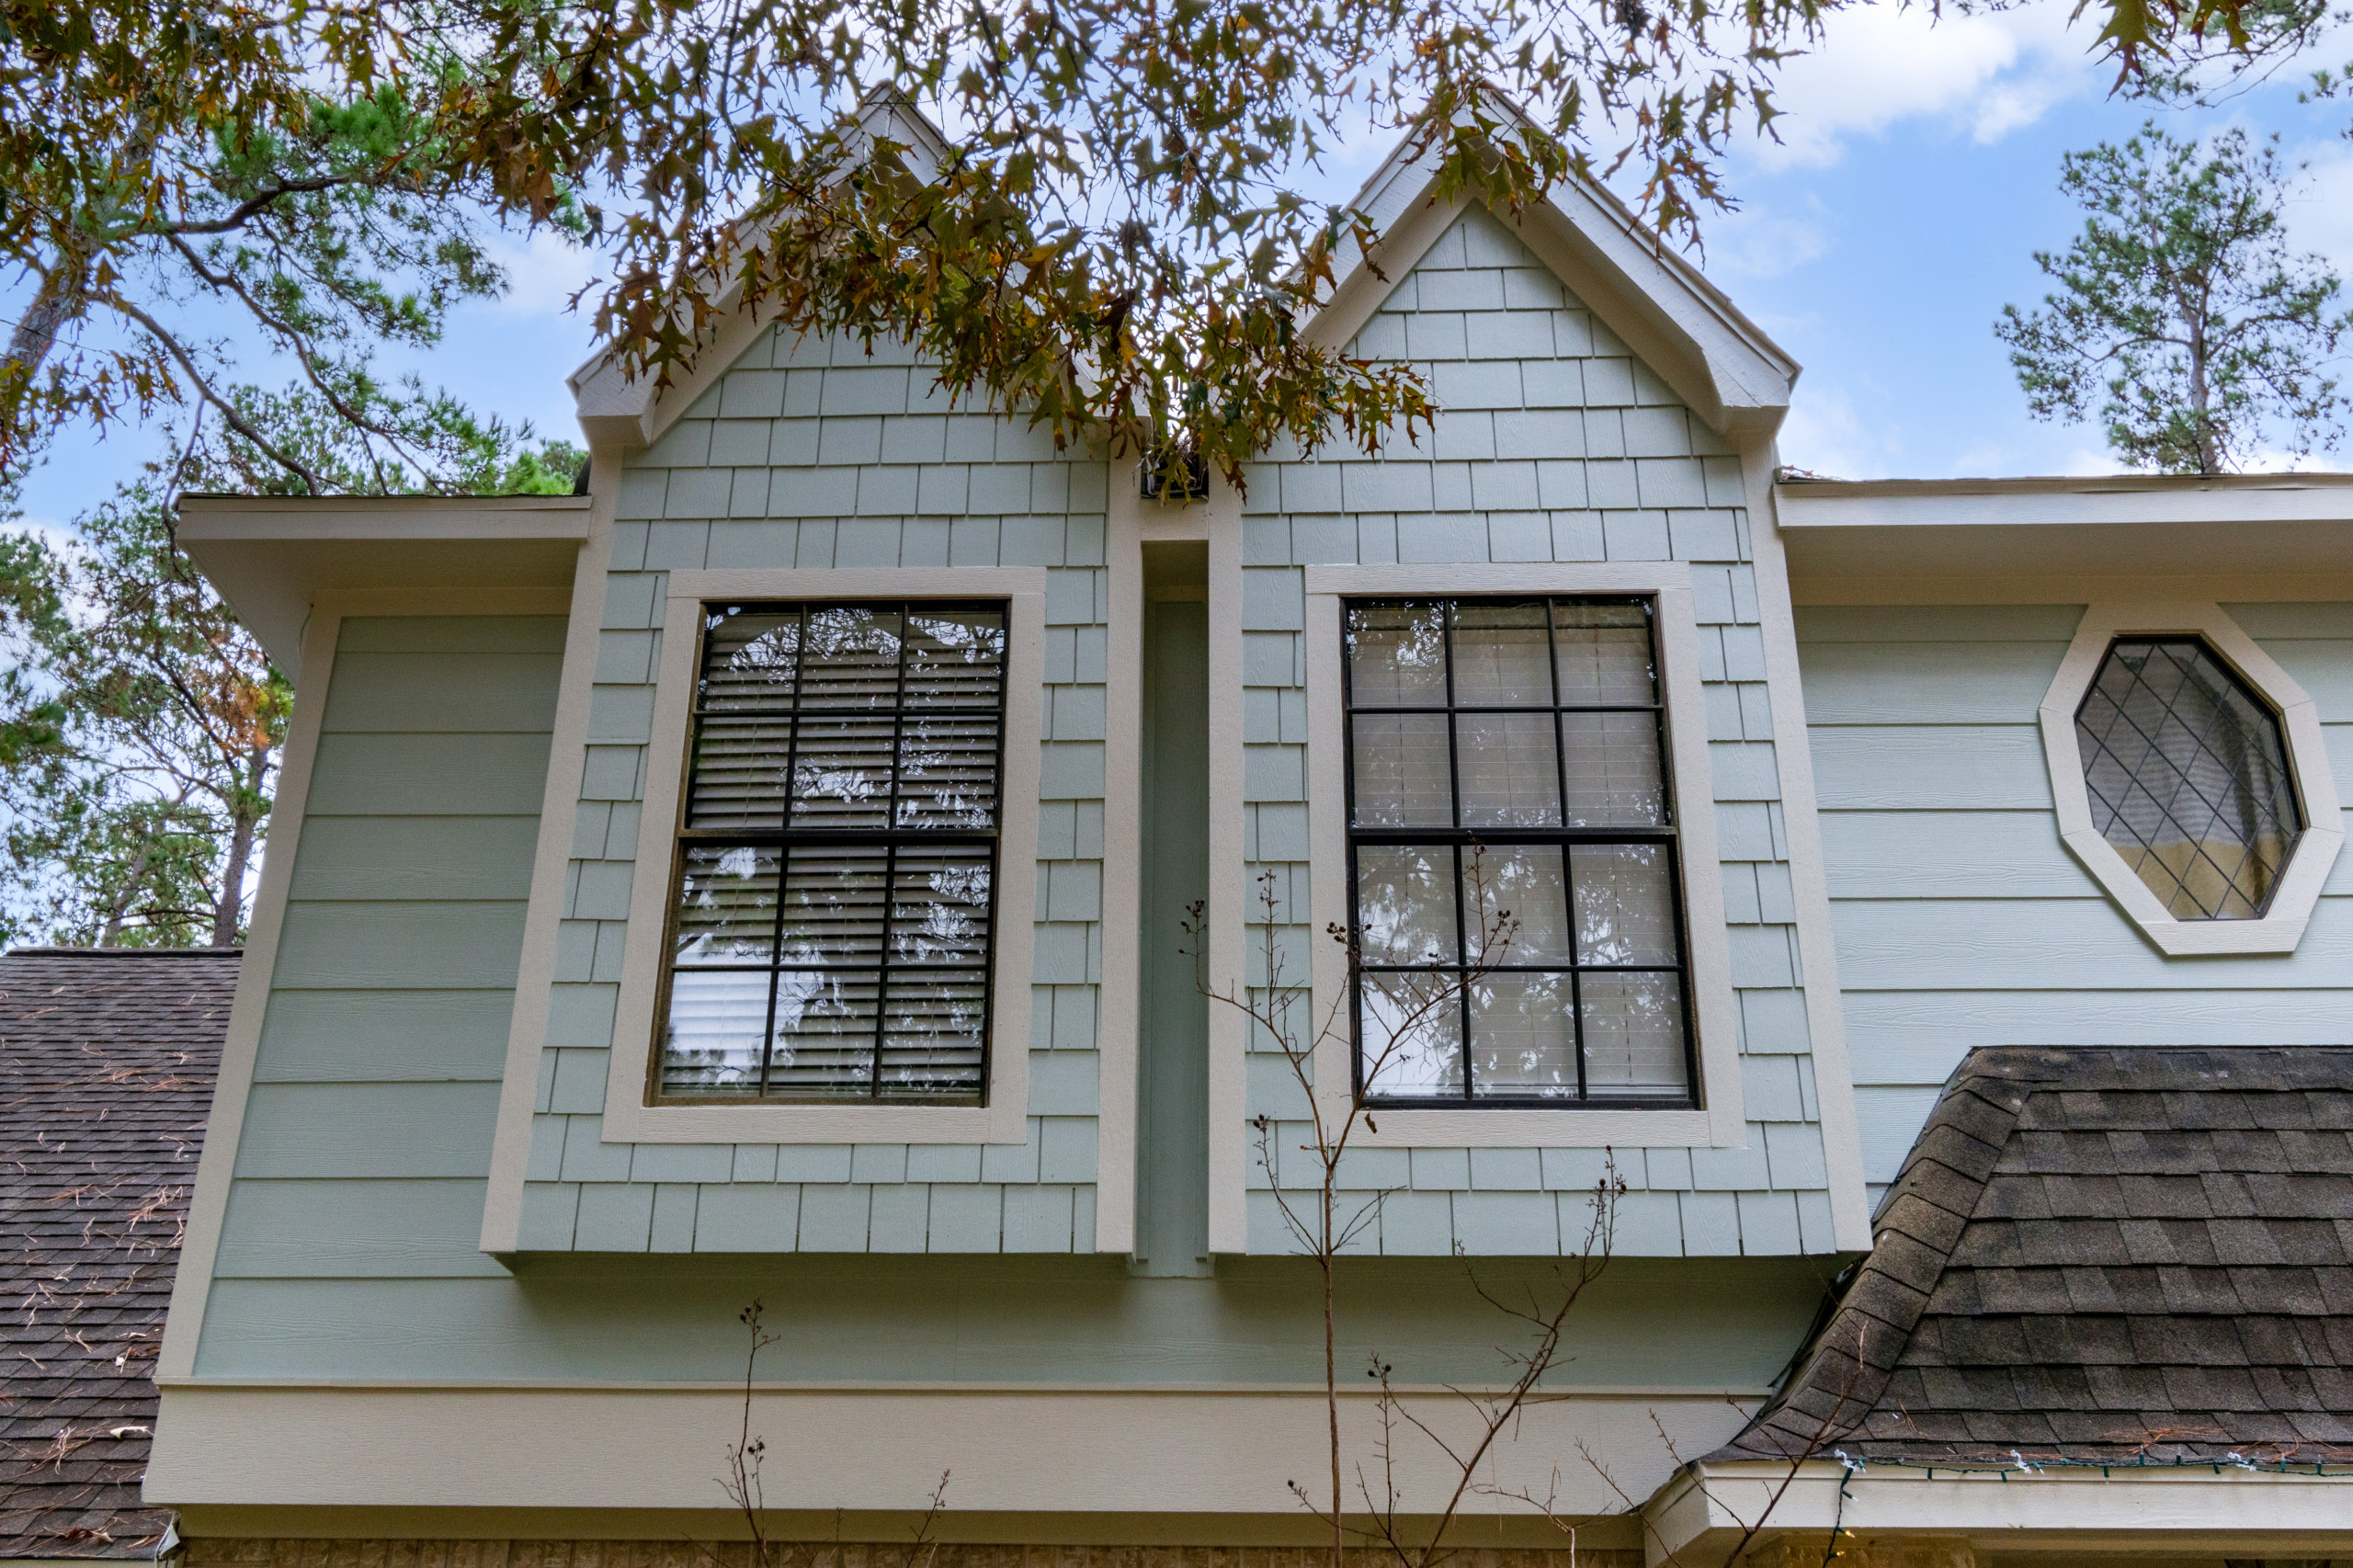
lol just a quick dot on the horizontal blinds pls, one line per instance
(835, 897)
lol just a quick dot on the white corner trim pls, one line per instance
(2282, 925)
(527, 1024)
(628, 1118)
(209, 1204)
(1825, 1016)
(1229, 1042)
(1719, 1122)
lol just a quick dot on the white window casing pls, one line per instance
(2282, 926)
(1003, 1117)
(1718, 1120)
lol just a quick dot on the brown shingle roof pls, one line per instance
(107, 1064)
(2122, 1255)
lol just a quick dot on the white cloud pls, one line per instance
(1824, 434)
(1986, 76)
(2320, 207)
(1759, 241)
(543, 271)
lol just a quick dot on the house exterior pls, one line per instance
(766, 877)
(106, 1062)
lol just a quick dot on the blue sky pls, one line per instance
(1917, 175)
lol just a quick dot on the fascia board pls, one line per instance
(2188, 1509)
(271, 557)
(2141, 526)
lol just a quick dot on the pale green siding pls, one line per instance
(366, 1134)
(1961, 918)
(1556, 444)
(815, 455)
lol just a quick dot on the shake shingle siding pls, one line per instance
(815, 454)
(107, 1065)
(2109, 1254)
(1556, 444)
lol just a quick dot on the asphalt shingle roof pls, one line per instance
(2128, 1255)
(106, 1063)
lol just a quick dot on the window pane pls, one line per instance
(841, 774)
(1502, 656)
(1520, 886)
(726, 905)
(749, 661)
(2188, 774)
(948, 771)
(824, 1035)
(1625, 909)
(851, 660)
(1523, 1037)
(1400, 770)
(1613, 772)
(711, 1044)
(932, 1029)
(1603, 652)
(1634, 1036)
(738, 781)
(940, 907)
(1406, 903)
(955, 658)
(1409, 1035)
(833, 904)
(1397, 656)
(1509, 770)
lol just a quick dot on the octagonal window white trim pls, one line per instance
(2281, 925)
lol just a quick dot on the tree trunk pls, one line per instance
(112, 933)
(60, 299)
(2210, 461)
(232, 902)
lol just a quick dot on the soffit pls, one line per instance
(271, 557)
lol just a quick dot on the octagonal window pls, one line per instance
(2186, 769)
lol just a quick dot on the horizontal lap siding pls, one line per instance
(1554, 443)
(367, 1133)
(812, 454)
(1961, 918)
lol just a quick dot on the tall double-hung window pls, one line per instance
(1513, 853)
(832, 919)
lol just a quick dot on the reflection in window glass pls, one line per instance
(1513, 850)
(833, 917)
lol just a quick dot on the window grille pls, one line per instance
(2188, 773)
(832, 917)
(1508, 758)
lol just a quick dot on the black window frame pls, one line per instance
(1666, 833)
(713, 612)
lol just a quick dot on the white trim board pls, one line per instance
(1719, 1121)
(2176, 1512)
(1042, 1449)
(1132, 523)
(1004, 1119)
(526, 1028)
(2282, 926)
(224, 1126)
(1826, 1013)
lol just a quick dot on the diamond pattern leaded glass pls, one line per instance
(2188, 773)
